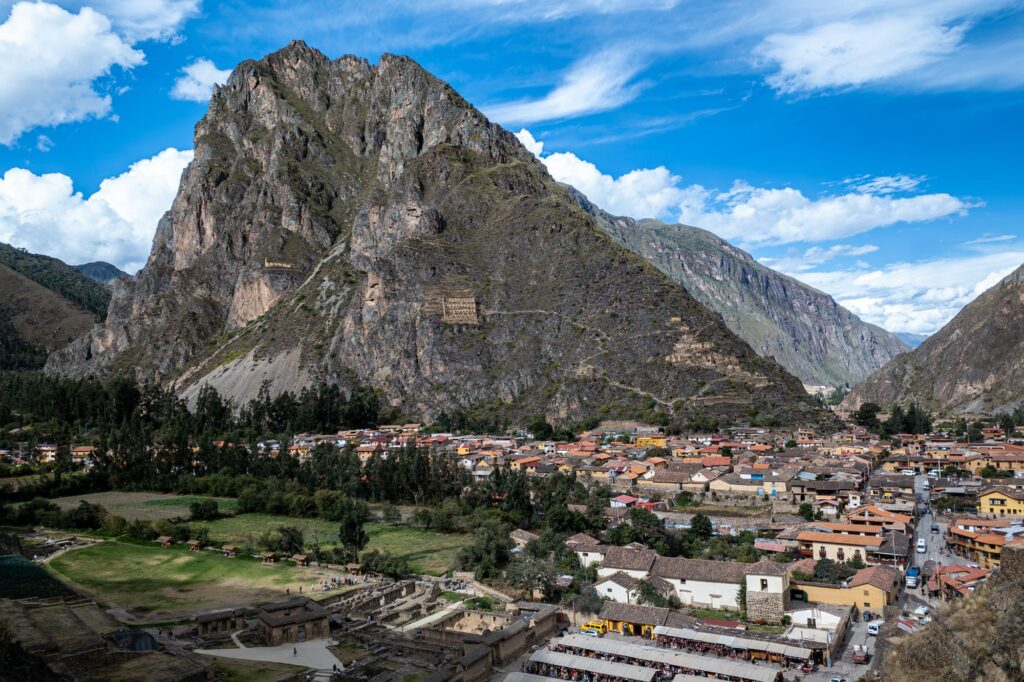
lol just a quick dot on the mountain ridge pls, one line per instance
(346, 222)
(974, 364)
(802, 328)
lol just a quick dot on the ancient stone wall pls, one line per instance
(765, 606)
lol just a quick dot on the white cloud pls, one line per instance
(747, 214)
(49, 62)
(532, 145)
(885, 184)
(816, 255)
(147, 19)
(915, 297)
(759, 215)
(44, 143)
(197, 81)
(43, 213)
(599, 82)
(852, 53)
(991, 239)
(643, 193)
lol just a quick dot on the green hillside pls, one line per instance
(59, 277)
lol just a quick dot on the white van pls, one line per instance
(922, 546)
(873, 627)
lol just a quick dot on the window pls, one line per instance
(839, 555)
(764, 584)
(822, 553)
(865, 594)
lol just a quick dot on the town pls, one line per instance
(621, 552)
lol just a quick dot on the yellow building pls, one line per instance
(981, 540)
(633, 619)
(651, 441)
(999, 462)
(1001, 501)
(872, 588)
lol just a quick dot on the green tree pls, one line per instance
(204, 510)
(806, 511)
(867, 415)
(646, 593)
(351, 532)
(290, 540)
(700, 526)
(529, 572)
(386, 564)
(540, 428)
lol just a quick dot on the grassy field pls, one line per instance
(146, 579)
(233, 670)
(145, 506)
(426, 551)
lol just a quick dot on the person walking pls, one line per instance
(295, 651)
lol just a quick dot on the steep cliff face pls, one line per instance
(345, 221)
(973, 364)
(805, 330)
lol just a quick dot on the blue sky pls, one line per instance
(872, 149)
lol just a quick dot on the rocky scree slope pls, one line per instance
(344, 222)
(974, 364)
(804, 329)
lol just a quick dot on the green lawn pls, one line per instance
(426, 551)
(144, 578)
(734, 615)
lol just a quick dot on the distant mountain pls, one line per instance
(912, 340)
(345, 222)
(805, 330)
(59, 277)
(101, 272)
(973, 364)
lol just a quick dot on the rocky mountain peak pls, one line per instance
(345, 221)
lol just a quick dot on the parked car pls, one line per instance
(873, 627)
(913, 576)
(922, 546)
(935, 528)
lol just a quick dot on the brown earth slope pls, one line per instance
(973, 364)
(346, 221)
(35, 320)
(976, 639)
